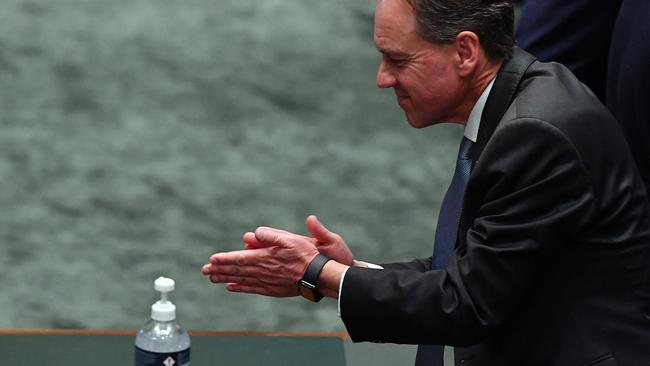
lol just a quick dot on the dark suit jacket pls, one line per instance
(552, 264)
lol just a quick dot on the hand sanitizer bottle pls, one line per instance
(162, 342)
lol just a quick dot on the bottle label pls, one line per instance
(146, 358)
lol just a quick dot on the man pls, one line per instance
(543, 259)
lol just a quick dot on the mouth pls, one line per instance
(400, 94)
(402, 98)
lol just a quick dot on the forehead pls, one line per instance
(394, 24)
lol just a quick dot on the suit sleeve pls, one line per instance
(528, 194)
(419, 265)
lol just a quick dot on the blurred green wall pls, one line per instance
(137, 137)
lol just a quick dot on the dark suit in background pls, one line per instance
(576, 33)
(628, 79)
(552, 262)
(607, 45)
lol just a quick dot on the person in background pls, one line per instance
(542, 249)
(607, 46)
(628, 79)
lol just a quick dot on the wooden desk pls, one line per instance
(110, 348)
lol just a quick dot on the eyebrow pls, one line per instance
(392, 52)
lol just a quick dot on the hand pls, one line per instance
(273, 269)
(327, 242)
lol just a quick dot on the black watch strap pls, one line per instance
(308, 284)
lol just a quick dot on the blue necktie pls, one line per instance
(446, 235)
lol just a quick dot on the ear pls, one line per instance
(468, 49)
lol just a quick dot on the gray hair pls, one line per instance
(439, 21)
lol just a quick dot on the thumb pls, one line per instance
(251, 241)
(320, 232)
(268, 237)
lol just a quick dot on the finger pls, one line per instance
(274, 237)
(252, 242)
(263, 274)
(206, 269)
(269, 237)
(214, 278)
(279, 231)
(235, 287)
(235, 270)
(266, 291)
(251, 281)
(238, 257)
(231, 270)
(319, 231)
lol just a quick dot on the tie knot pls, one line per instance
(465, 151)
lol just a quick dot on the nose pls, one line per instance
(385, 76)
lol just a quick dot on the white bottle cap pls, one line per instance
(163, 310)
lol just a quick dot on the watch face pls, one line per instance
(308, 291)
(307, 285)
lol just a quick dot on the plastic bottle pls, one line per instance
(162, 342)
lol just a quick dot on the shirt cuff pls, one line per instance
(370, 265)
(338, 309)
(373, 266)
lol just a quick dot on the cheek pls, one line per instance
(428, 82)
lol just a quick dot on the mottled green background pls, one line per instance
(137, 137)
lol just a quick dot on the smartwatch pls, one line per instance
(307, 286)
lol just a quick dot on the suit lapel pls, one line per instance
(501, 96)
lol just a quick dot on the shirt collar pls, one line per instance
(474, 120)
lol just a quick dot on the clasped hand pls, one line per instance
(273, 260)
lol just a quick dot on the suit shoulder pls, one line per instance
(550, 92)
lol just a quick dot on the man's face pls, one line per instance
(422, 74)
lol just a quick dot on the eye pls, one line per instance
(395, 60)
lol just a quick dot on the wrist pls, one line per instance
(329, 279)
(308, 284)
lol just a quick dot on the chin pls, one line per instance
(419, 122)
